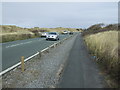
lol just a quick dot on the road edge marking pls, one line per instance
(14, 66)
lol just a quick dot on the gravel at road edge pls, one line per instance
(41, 72)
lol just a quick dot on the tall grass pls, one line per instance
(59, 29)
(104, 45)
(12, 32)
(13, 37)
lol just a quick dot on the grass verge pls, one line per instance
(11, 32)
(13, 37)
(104, 45)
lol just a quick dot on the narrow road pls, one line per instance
(80, 71)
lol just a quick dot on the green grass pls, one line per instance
(104, 45)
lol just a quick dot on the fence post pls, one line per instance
(22, 64)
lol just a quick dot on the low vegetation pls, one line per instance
(100, 28)
(12, 32)
(103, 44)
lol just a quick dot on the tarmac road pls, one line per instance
(80, 70)
(69, 65)
(12, 51)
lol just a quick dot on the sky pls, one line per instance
(60, 0)
(59, 14)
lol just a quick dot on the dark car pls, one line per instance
(71, 33)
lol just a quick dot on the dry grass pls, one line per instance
(12, 29)
(12, 32)
(13, 37)
(59, 29)
(104, 45)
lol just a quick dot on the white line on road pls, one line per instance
(14, 45)
(1, 73)
(14, 66)
(44, 49)
(18, 44)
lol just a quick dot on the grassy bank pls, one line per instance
(12, 32)
(104, 45)
(13, 37)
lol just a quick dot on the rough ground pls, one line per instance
(41, 72)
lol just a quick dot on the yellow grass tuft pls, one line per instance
(105, 42)
(104, 45)
(12, 32)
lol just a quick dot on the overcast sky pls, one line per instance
(59, 14)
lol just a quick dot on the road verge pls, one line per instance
(35, 55)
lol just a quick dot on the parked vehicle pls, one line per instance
(44, 34)
(52, 36)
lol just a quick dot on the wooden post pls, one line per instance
(22, 64)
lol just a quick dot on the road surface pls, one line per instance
(67, 66)
(80, 71)
(12, 51)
